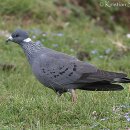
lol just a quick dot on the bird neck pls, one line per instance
(31, 50)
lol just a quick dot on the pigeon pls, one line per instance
(64, 73)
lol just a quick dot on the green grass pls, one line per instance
(26, 104)
(34, 9)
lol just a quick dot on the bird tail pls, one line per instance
(117, 77)
(103, 81)
(102, 87)
(121, 80)
(104, 76)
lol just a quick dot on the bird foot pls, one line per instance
(73, 95)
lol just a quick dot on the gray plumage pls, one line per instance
(62, 72)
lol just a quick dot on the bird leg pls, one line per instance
(73, 95)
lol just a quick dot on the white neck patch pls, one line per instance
(27, 40)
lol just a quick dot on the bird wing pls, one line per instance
(63, 69)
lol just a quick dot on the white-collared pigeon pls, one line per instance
(64, 73)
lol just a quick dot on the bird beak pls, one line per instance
(9, 39)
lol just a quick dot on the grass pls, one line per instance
(27, 9)
(26, 104)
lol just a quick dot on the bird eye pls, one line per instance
(16, 35)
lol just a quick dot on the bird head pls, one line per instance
(19, 36)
